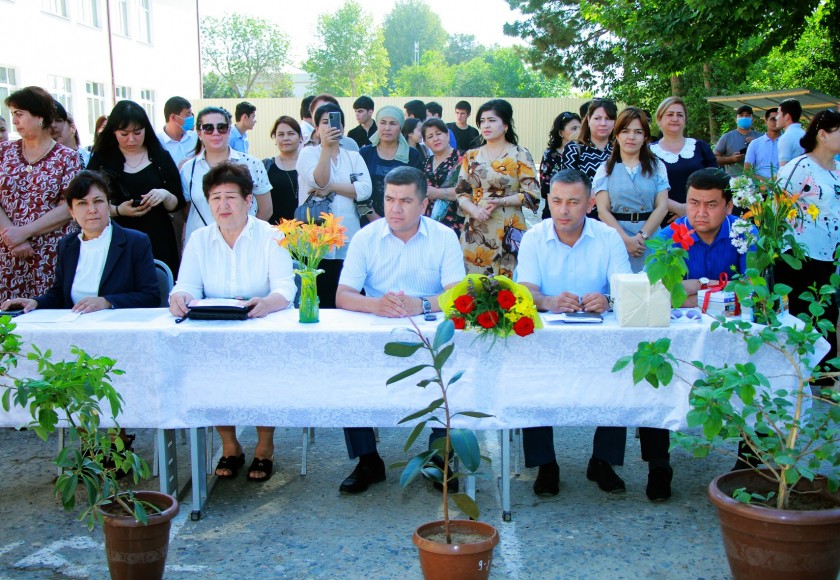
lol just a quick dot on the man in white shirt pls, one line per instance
(178, 135)
(788, 120)
(403, 263)
(566, 262)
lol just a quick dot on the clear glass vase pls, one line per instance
(308, 310)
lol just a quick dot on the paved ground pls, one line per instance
(301, 527)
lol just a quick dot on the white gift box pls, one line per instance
(638, 304)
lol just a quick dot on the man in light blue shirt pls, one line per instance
(788, 120)
(566, 262)
(763, 153)
(403, 263)
(246, 117)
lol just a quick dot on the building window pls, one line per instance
(144, 20)
(95, 103)
(61, 88)
(122, 93)
(147, 101)
(91, 14)
(122, 18)
(8, 85)
(57, 7)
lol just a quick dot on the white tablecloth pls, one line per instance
(275, 371)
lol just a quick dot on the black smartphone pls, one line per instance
(335, 120)
(137, 202)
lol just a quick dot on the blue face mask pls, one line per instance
(744, 122)
(189, 123)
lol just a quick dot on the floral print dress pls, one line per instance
(483, 180)
(442, 176)
(28, 192)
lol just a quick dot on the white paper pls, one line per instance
(48, 315)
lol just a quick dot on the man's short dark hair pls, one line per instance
(407, 175)
(463, 106)
(769, 112)
(416, 108)
(305, 113)
(232, 173)
(572, 177)
(244, 108)
(363, 102)
(174, 105)
(434, 108)
(744, 109)
(791, 107)
(710, 178)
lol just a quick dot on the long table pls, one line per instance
(276, 371)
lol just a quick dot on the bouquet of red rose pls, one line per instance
(491, 305)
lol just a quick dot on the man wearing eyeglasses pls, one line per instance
(763, 153)
(403, 263)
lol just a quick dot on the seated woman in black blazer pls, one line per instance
(103, 265)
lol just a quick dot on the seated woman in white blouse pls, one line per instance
(103, 265)
(237, 256)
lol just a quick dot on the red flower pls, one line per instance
(506, 299)
(460, 323)
(487, 319)
(465, 304)
(524, 326)
(682, 235)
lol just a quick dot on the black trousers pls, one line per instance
(607, 445)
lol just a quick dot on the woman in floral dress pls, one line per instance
(497, 180)
(34, 171)
(441, 170)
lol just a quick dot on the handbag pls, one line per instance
(216, 309)
(313, 207)
(512, 239)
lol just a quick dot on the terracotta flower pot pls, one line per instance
(767, 543)
(136, 551)
(440, 561)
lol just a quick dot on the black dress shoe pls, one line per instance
(362, 477)
(659, 483)
(453, 486)
(548, 479)
(602, 473)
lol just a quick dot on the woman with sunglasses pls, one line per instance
(213, 125)
(816, 177)
(594, 143)
(682, 155)
(631, 187)
(563, 130)
(146, 184)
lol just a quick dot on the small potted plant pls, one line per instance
(780, 517)
(135, 524)
(449, 548)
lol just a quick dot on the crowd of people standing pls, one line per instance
(193, 196)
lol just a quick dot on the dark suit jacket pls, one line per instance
(128, 280)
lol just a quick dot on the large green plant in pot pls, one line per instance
(445, 558)
(791, 434)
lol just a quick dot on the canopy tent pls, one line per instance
(812, 102)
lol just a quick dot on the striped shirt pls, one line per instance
(380, 262)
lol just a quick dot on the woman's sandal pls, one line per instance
(232, 463)
(266, 466)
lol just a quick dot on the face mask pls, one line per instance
(189, 124)
(744, 122)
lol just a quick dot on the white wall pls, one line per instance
(37, 44)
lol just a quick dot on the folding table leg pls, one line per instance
(167, 456)
(504, 479)
(198, 469)
(304, 451)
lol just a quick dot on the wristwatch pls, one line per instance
(427, 306)
(643, 234)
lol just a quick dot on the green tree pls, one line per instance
(461, 48)
(410, 22)
(242, 49)
(214, 87)
(350, 58)
(432, 77)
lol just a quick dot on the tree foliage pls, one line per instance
(462, 47)
(241, 50)
(408, 22)
(350, 58)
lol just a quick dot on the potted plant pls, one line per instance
(779, 518)
(448, 548)
(135, 524)
(495, 306)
